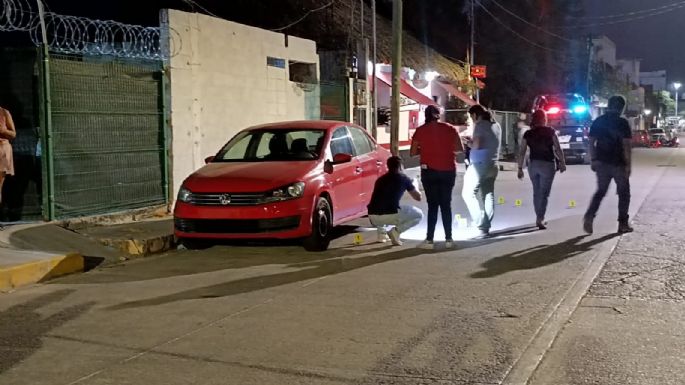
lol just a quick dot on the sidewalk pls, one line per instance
(38, 252)
(629, 327)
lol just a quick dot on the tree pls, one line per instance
(665, 102)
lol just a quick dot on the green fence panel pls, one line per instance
(334, 101)
(107, 132)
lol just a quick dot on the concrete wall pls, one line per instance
(604, 51)
(221, 84)
(630, 68)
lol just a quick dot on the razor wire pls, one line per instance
(83, 36)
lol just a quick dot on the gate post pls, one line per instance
(47, 152)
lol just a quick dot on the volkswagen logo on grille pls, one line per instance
(225, 199)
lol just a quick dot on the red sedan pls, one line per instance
(282, 180)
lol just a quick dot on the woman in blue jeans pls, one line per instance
(545, 152)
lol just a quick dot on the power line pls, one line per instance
(304, 16)
(633, 13)
(194, 4)
(640, 16)
(520, 36)
(564, 38)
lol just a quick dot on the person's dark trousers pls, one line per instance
(542, 175)
(605, 174)
(438, 186)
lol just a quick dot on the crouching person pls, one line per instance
(385, 209)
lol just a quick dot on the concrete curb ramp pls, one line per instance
(25, 268)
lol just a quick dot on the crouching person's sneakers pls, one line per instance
(394, 235)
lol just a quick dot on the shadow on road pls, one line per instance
(308, 271)
(538, 256)
(22, 327)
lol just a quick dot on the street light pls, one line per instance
(676, 85)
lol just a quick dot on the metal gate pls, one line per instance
(105, 144)
(334, 101)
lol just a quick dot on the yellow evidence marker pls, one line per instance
(518, 203)
(358, 239)
(501, 200)
(571, 203)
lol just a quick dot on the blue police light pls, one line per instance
(580, 109)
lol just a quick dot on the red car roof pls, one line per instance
(302, 124)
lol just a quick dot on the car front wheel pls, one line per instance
(322, 224)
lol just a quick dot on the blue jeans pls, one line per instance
(479, 193)
(405, 219)
(438, 186)
(605, 173)
(542, 175)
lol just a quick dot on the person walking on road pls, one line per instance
(479, 179)
(385, 209)
(611, 155)
(545, 152)
(437, 144)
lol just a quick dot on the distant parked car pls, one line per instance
(658, 137)
(641, 138)
(281, 180)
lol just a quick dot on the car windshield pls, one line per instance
(657, 131)
(271, 145)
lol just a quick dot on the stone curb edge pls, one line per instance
(24, 274)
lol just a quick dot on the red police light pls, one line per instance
(553, 110)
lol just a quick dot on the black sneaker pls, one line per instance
(587, 225)
(624, 228)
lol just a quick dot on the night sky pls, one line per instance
(656, 40)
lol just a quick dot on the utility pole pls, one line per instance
(47, 117)
(588, 73)
(374, 96)
(473, 45)
(396, 72)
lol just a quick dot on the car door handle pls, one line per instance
(379, 163)
(358, 170)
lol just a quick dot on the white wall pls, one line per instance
(630, 68)
(221, 84)
(604, 51)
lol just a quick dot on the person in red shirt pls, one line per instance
(437, 144)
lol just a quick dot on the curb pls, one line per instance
(138, 248)
(39, 271)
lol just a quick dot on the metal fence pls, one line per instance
(107, 136)
(334, 101)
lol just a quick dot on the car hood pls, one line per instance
(248, 176)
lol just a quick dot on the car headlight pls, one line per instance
(184, 195)
(293, 191)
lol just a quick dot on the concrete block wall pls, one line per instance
(221, 84)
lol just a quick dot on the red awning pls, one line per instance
(452, 90)
(406, 89)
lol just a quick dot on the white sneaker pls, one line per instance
(449, 244)
(383, 238)
(395, 237)
(427, 245)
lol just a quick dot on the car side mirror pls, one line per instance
(209, 159)
(342, 158)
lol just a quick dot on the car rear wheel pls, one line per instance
(322, 224)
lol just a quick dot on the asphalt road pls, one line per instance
(367, 314)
